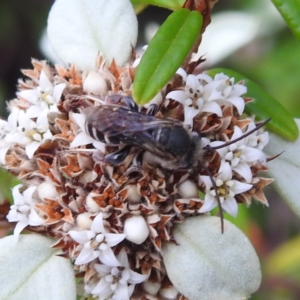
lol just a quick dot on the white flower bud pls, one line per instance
(94, 83)
(151, 287)
(136, 229)
(91, 204)
(84, 221)
(188, 189)
(133, 194)
(47, 190)
(169, 292)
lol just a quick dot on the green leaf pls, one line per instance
(206, 264)
(264, 106)
(285, 169)
(170, 4)
(290, 11)
(7, 182)
(165, 53)
(31, 269)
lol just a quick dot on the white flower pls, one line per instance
(97, 243)
(23, 211)
(44, 96)
(6, 128)
(259, 139)
(30, 133)
(227, 189)
(195, 98)
(117, 282)
(83, 138)
(239, 155)
(224, 91)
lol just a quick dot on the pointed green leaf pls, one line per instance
(290, 11)
(31, 269)
(264, 106)
(170, 4)
(165, 53)
(206, 264)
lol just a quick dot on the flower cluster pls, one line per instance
(112, 220)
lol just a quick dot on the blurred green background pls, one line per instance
(271, 59)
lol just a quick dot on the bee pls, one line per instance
(172, 144)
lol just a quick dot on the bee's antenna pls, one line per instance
(217, 197)
(241, 137)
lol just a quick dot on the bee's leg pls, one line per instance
(117, 157)
(152, 110)
(129, 102)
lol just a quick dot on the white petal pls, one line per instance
(123, 259)
(192, 82)
(240, 187)
(90, 26)
(81, 139)
(207, 181)
(102, 289)
(252, 154)
(31, 148)
(230, 206)
(102, 269)
(35, 219)
(136, 277)
(113, 239)
(225, 172)
(108, 257)
(3, 152)
(97, 225)
(31, 96)
(212, 107)
(244, 170)
(17, 196)
(42, 120)
(58, 89)
(210, 203)
(80, 237)
(179, 96)
(85, 256)
(238, 102)
(19, 227)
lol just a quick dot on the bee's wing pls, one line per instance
(116, 120)
(129, 127)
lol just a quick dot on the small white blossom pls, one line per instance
(6, 128)
(96, 243)
(258, 139)
(30, 133)
(239, 154)
(117, 282)
(196, 98)
(227, 189)
(23, 211)
(44, 96)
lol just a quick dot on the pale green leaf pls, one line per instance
(79, 30)
(206, 264)
(285, 169)
(31, 269)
